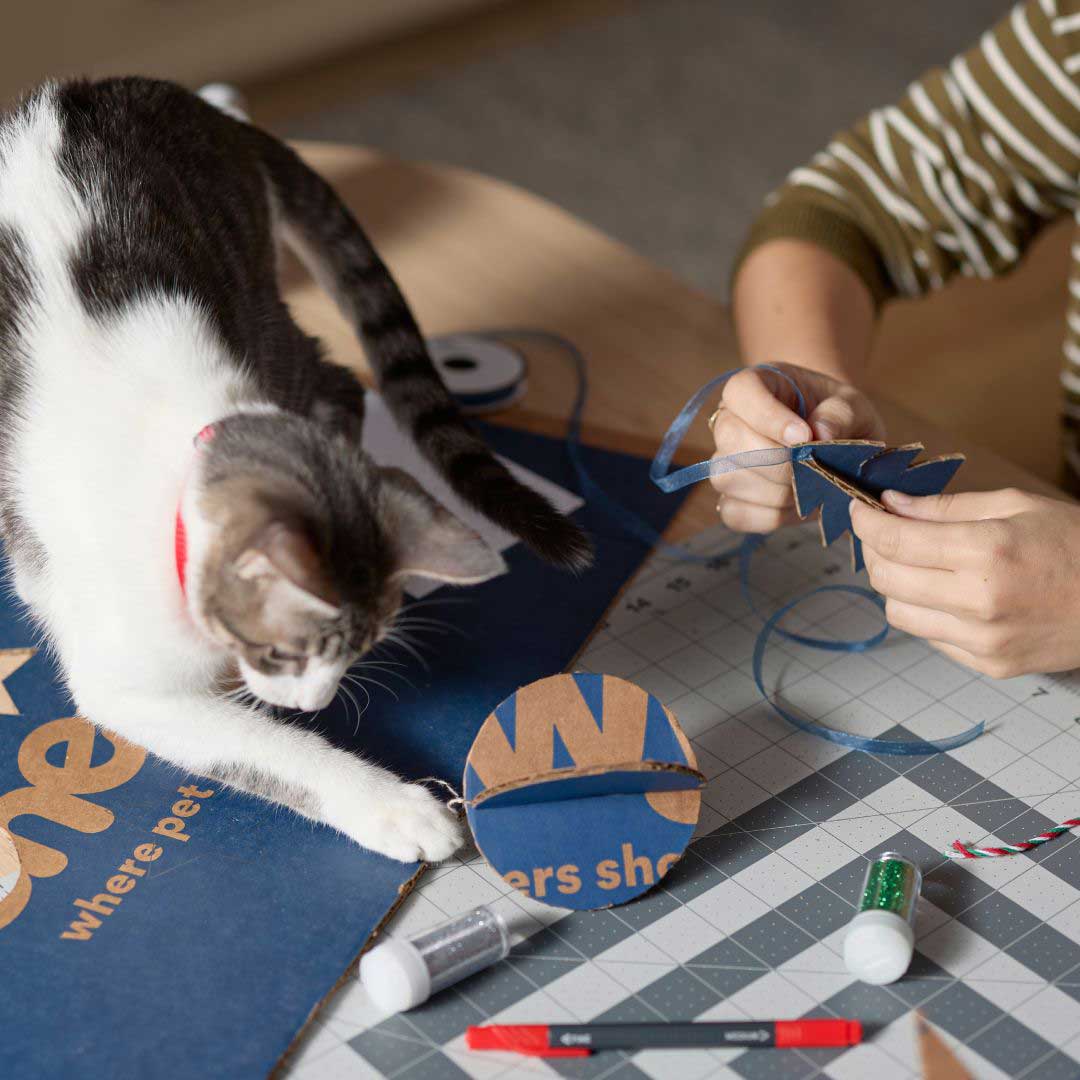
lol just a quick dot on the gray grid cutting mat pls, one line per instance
(750, 923)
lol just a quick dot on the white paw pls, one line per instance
(410, 824)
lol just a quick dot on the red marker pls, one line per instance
(580, 1040)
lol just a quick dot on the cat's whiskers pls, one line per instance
(359, 680)
(434, 626)
(382, 665)
(359, 710)
(431, 601)
(347, 698)
(339, 696)
(394, 637)
(382, 668)
(407, 626)
(378, 651)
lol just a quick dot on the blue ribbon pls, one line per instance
(844, 738)
(746, 459)
(588, 487)
(692, 474)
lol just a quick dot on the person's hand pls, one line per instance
(758, 410)
(990, 579)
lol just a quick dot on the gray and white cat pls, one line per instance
(139, 307)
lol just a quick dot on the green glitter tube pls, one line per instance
(881, 938)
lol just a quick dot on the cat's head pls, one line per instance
(299, 546)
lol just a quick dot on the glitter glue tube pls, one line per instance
(400, 974)
(881, 938)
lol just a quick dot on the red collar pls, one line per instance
(180, 532)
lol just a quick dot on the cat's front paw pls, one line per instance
(409, 824)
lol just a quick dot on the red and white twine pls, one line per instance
(960, 850)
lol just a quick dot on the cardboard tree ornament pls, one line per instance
(582, 790)
(830, 474)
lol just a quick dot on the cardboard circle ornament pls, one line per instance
(10, 864)
(582, 790)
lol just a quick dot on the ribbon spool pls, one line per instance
(483, 374)
(10, 865)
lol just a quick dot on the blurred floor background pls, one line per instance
(664, 122)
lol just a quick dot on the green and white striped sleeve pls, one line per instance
(960, 174)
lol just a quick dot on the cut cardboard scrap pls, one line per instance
(10, 864)
(582, 790)
(830, 474)
(938, 1061)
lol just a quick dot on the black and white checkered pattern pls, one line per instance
(750, 923)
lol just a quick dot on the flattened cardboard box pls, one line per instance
(228, 921)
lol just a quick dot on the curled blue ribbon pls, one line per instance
(845, 738)
(746, 459)
(692, 474)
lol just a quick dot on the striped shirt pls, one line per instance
(959, 176)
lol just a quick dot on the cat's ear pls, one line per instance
(285, 562)
(428, 540)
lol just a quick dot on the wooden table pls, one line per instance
(472, 252)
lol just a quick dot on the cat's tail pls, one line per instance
(322, 231)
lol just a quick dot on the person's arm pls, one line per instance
(793, 300)
(798, 302)
(957, 177)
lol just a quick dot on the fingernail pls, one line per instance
(896, 498)
(796, 432)
(825, 431)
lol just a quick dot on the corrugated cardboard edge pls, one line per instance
(850, 489)
(349, 973)
(604, 907)
(838, 481)
(697, 779)
(847, 488)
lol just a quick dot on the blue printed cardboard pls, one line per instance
(582, 790)
(830, 474)
(230, 920)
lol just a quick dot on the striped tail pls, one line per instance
(320, 228)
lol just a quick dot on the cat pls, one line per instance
(182, 485)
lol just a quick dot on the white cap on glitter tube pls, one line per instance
(878, 947)
(395, 976)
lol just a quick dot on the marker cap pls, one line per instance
(878, 947)
(530, 1039)
(818, 1033)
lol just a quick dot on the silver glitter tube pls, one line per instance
(400, 974)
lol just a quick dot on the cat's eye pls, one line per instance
(274, 653)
